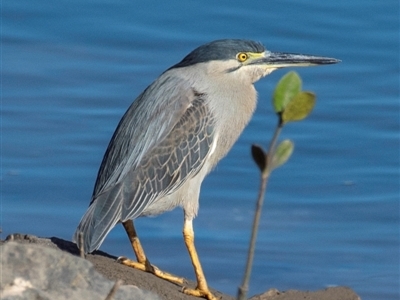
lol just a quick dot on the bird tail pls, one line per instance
(102, 215)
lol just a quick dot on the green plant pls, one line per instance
(290, 104)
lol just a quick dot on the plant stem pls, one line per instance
(242, 291)
(272, 145)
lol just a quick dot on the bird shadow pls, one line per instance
(72, 248)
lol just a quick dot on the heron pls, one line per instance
(171, 137)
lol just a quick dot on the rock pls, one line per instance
(332, 293)
(31, 271)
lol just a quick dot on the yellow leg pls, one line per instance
(142, 262)
(202, 289)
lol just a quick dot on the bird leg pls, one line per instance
(142, 262)
(202, 288)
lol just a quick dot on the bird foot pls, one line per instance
(204, 293)
(147, 267)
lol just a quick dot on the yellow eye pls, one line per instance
(242, 56)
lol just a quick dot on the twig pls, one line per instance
(81, 247)
(272, 145)
(113, 290)
(243, 289)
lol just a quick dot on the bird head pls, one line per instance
(246, 59)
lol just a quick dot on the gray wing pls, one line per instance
(172, 162)
(146, 122)
(171, 148)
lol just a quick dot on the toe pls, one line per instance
(200, 293)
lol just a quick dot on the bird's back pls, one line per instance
(161, 141)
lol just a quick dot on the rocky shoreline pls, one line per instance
(43, 268)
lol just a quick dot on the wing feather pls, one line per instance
(158, 145)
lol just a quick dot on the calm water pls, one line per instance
(71, 68)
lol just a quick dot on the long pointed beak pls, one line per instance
(282, 60)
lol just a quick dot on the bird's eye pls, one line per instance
(242, 56)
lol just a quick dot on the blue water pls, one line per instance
(70, 69)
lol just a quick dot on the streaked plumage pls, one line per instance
(153, 151)
(172, 136)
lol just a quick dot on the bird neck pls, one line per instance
(233, 106)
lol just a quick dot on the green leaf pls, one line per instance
(282, 153)
(299, 108)
(288, 87)
(259, 157)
